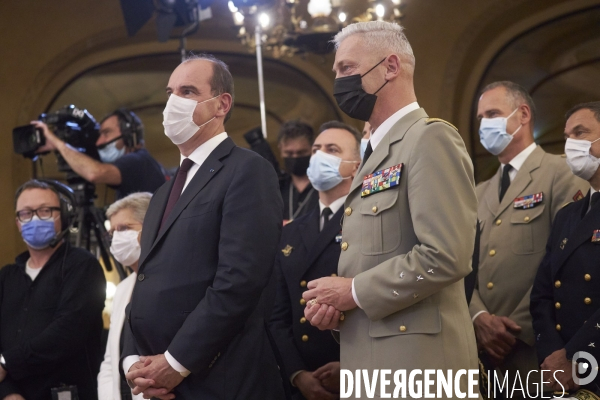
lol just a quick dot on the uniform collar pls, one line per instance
(518, 160)
(201, 153)
(334, 206)
(384, 128)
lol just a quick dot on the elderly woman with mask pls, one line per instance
(126, 217)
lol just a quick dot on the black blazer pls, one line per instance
(201, 278)
(304, 254)
(565, 298)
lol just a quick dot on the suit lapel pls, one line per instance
(329, 232)
(209, 168)
(522, 180)
(153, 218)
(581, 233)
(396, 133)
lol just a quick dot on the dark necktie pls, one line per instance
(177, 188)
(368, 152)
(326, 214)
(594, 199)
(505, 183)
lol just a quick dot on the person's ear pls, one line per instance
(393, 67)
(225, 102)
(524, 114)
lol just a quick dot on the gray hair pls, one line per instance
(382, 37)
(517, 95)
(221, 82)
(136, 202)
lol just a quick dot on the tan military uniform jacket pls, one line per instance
(513, 242)
(408, 249)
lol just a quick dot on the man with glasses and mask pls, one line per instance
(565, 299)
(125, 165)
(52, 301)
(409, 222)
(516, 209)
(310, 249)
(299, 197)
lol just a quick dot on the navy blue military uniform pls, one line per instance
(565, 299)
(305, 254)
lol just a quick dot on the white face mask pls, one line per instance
(178, 118)
(110, 153)
(582, 163)
(125, 247)
(324, 171)
(493, 135)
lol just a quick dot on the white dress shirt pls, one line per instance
(592, 191)
(376, 138)
(516, 163)
(385, 127)
(198, 156)
(334, 207)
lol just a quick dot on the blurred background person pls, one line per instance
(565, 299)
(52, 302)
(126, 217)
(310, 249)
(294, 141)
(516, 209)
(125, 165)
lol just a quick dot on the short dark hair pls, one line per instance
(517, 94)
(340, 125)
(125, 116)
(34, 184)
(295, 129)
(221, 81)
(593, 106)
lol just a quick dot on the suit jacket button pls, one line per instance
(490, 285)
(344, 246)
(526, 219)
(402, 328)
(302, 320)
(498, 221)
(302, 302)
(557, 305)
(374, 209)
(302, 283)
(305, 338)
(587, 301)
(348, 211)
(492, 253)
(587, 277)
(558, 327)
(557, 284)
(141, 277)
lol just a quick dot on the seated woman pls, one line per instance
(126, 217)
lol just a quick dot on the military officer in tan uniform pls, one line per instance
(409, 221)
(516, 209)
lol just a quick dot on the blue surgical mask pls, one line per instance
(110, 153)
(493, 135)
(363, 147)
(38, 233)
(324, 171)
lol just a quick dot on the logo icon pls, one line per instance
(586, 364)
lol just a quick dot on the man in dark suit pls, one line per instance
(310, 249)
(565, 299)
(196, 323)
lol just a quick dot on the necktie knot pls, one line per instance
(186, 165)
(326, 213)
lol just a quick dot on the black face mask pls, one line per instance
(296, 165)
(352, 98)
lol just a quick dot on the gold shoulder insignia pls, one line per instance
(431, 120)
(287, 250)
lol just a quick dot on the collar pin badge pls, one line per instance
(287, 250)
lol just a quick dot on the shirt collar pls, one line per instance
(518, 161)
(384, 128)
(334, 206)
(201, 153)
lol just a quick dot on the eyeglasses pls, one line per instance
(43, 213)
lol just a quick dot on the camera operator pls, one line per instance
(126, 165)
(52, 301)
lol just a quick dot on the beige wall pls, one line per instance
(46, 44)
